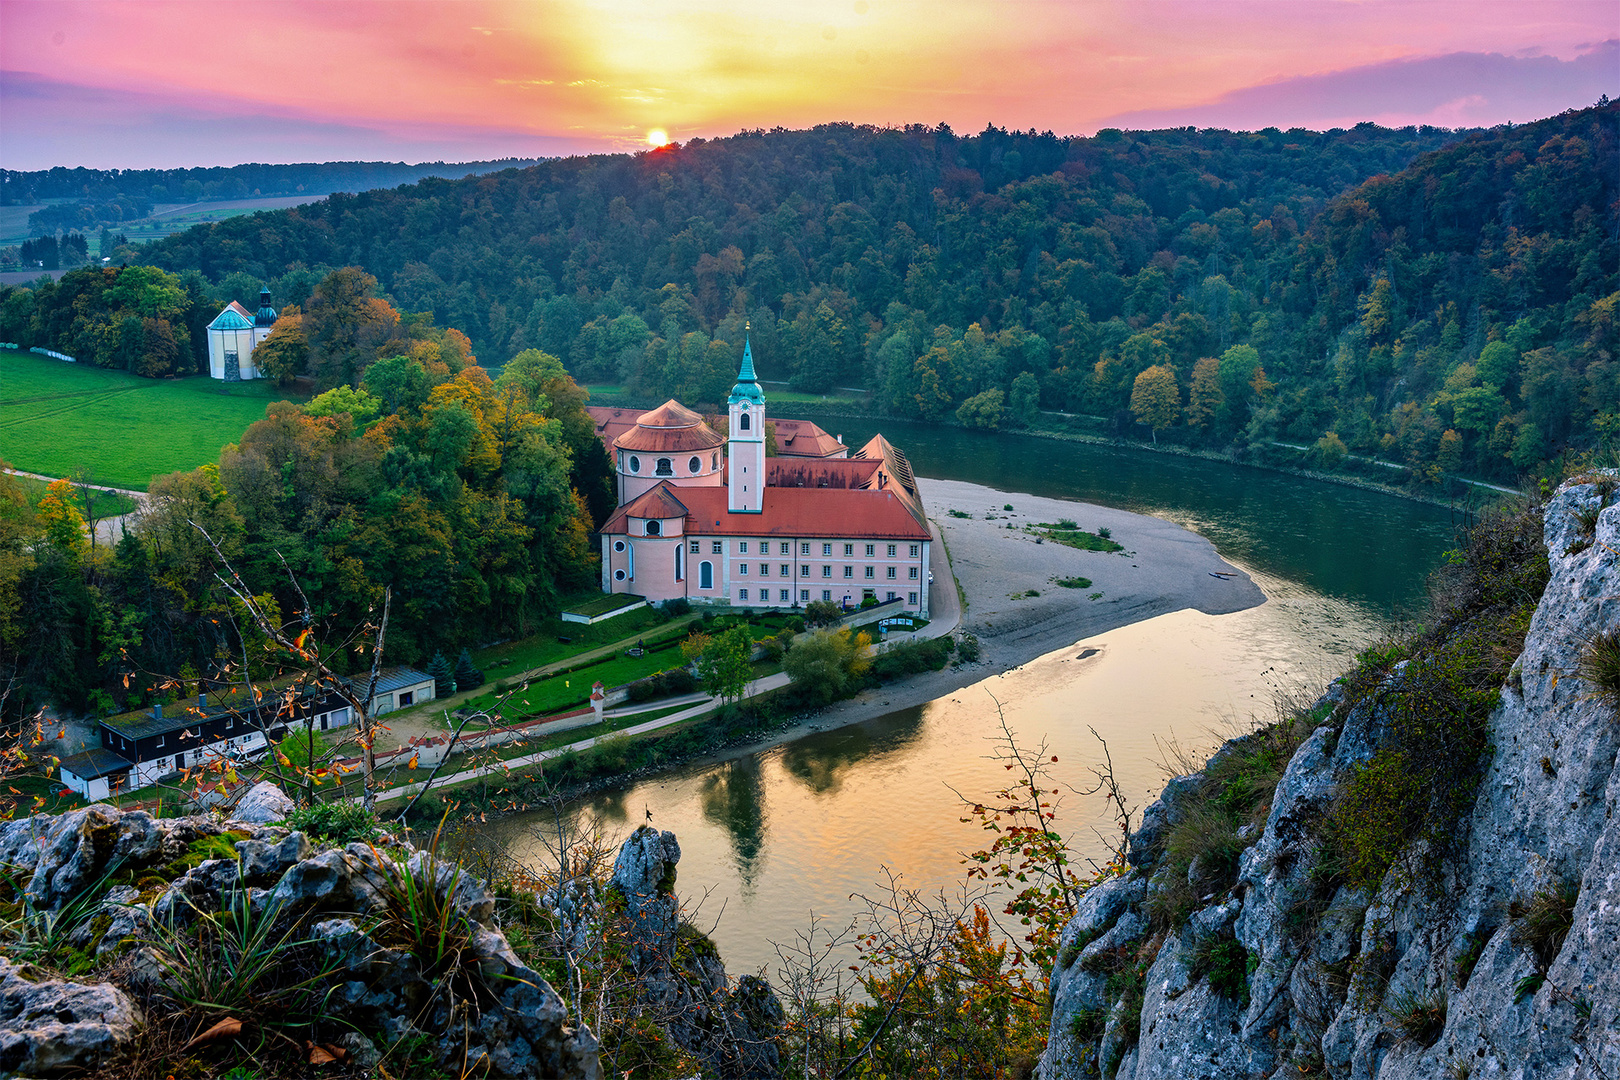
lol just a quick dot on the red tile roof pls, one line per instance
(659, 502)
(820, 472)
(671, 428)
(790, 512)
(801, 438)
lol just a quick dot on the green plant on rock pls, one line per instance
(1224, 960)
(337, 822)
(1543, 920)
(421, 916)
(1599, 667)
(1419, 1017)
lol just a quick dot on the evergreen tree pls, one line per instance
(444, 683)
(467, 676)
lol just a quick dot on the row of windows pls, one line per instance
(784, 595)
(784, 570)
(665, 467)
(718, 547)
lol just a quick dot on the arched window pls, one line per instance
(715, 463)
(694, 465)
(635, 463)
(652, 528)
(618, 545)
(744, 424)
(680, 569)
(705, 575)
(664, 468)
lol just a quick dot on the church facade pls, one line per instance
(714, 519)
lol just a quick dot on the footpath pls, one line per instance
(945, 611)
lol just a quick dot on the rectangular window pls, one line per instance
(826, 571)
(742, 594)
(804, 549)
(891, 551)
(911, 572)
(159, 742)
(718, 548)
(889, 573)
(870, 548)
(849, 549)
(849, 571)
(786, 547)
(870, 574)
(826, 594)
(913, 551)
(891, 594)
(786, 571)
(826, 549)
(804, 569)
(911, 598)
(697, 547)
(230, 722)
(804, 596)
(784, 595)
(764, 569)
(742, 547)
(742, 568)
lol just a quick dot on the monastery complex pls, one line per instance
(712, 519)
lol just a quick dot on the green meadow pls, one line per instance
(55, 417)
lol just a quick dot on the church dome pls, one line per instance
(670, 428)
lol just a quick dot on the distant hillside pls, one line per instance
(226, 182)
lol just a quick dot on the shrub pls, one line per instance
(795, 625)
(818, 613)
(1068, 523)
(959, 513)
(676, 607)
(968, 649)
(1226, 962)
(1105, 532)
(1072, 582)
(828, 664)
(1006, 506)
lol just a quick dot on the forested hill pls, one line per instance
(1371, 271)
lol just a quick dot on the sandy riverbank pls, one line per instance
(1163, 568)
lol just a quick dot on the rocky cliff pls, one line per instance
(1488, 947)
(132, 946)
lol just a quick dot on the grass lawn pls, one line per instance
(55, 417)
(574, 688)
(545, 647)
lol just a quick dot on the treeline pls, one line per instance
(19, 188)
(463, 495)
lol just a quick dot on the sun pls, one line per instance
(657, 137)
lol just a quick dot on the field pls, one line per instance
(55, 417)
(165, 218)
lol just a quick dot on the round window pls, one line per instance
(618, 575)
(694, 465)
(652, 528)
(635, 463)
(618, 545)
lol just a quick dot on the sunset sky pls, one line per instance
(149, 84)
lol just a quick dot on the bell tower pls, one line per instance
(745, 479)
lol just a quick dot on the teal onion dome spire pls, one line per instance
(747, 388)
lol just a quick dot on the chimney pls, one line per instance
(202, 699)
(157, 710)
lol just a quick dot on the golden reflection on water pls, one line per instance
(768, 837)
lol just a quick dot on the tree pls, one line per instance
(819, 613)
(982, 410)
(467, 676)
(444, 683)
(1204, 397)
(723, 660)
(284, 355)
(340, 400)
(1023, 400)
(61, 521)
(1330, 450)
(1156, 399)
(828, 664)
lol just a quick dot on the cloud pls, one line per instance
(1455, 90)
(49, 122)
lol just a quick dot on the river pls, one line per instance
(769, 836)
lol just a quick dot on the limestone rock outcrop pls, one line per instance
(1405, 981)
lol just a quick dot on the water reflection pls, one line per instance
(822, 761)
(732, 797)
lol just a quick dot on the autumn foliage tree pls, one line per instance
(1156, 399)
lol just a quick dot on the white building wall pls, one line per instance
(239, 341)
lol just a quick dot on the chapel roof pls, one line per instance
(234, 317)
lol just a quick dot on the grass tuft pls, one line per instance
(1419, 1018)
(1599, 667)
(1543, 920)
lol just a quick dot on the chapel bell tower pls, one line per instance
(745, 480)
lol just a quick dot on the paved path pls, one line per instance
(109, 530)
(946, 616)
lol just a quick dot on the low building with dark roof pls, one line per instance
(754, 531)
(140, 748)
